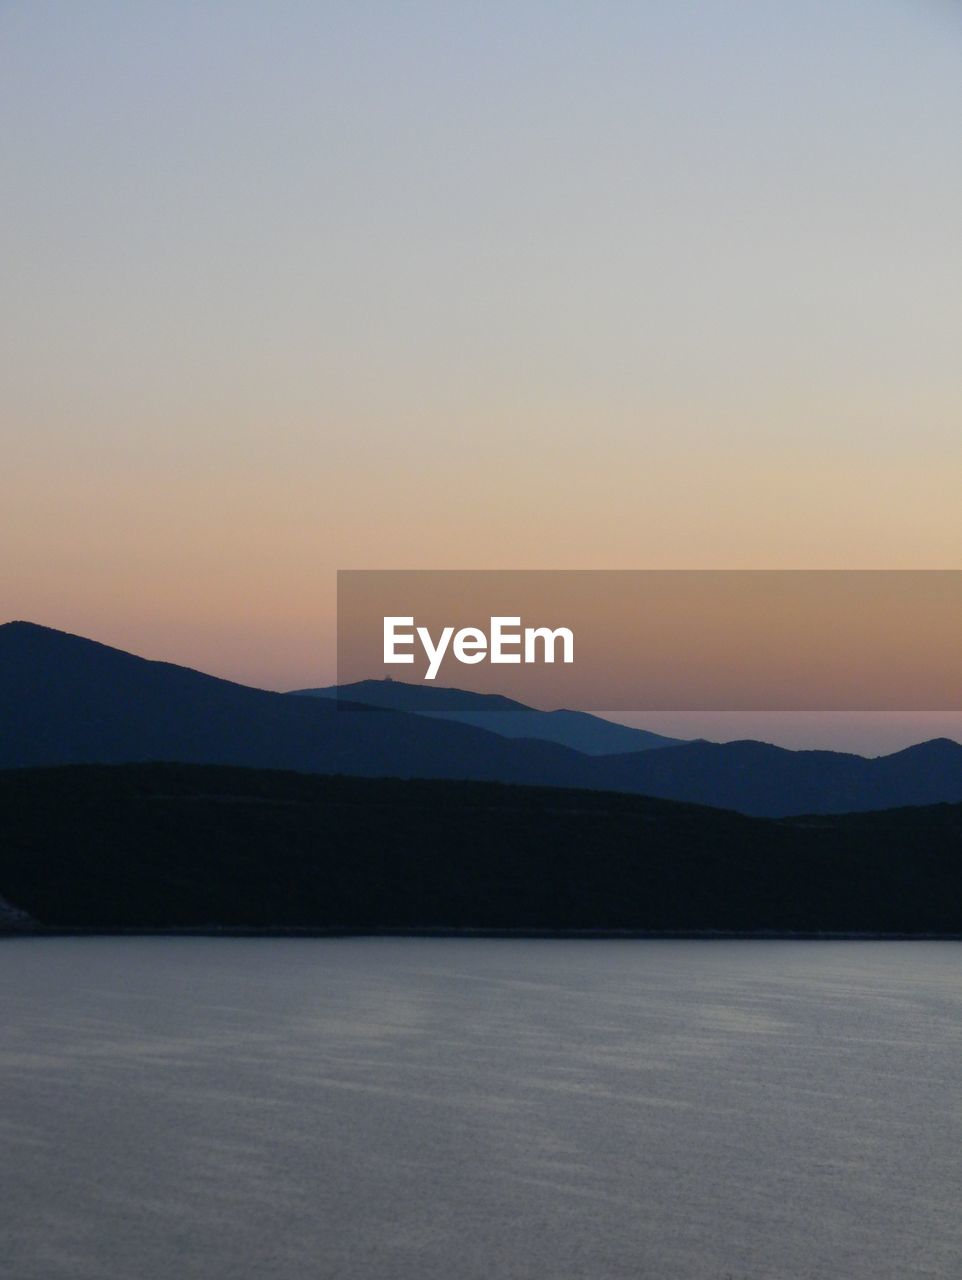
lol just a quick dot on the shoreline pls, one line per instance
(440, 931)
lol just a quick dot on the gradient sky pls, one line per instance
(295, 286)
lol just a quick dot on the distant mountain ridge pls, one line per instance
(769, 781)
(579, 730)
(67, 700)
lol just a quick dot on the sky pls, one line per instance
(291, 287)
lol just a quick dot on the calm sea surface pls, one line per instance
(394, 1109)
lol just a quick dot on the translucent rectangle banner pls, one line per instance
(649, 640)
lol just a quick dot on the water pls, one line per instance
(392, 1109)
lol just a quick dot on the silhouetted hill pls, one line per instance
(66, 700)
(590, 734)
(758, 778)
(160, 846)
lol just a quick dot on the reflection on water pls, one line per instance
(381, 1109)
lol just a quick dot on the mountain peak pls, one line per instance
(578, 730)
(22, 625)
(931, 747)
(21, 629)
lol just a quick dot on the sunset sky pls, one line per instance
(290, 287)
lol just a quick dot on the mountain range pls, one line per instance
(68, 700)
(592, 735)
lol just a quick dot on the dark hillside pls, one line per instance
(178, 846)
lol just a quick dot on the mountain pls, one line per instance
(67, 700)
(186, 846)
(592, 735)
(758, 778)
